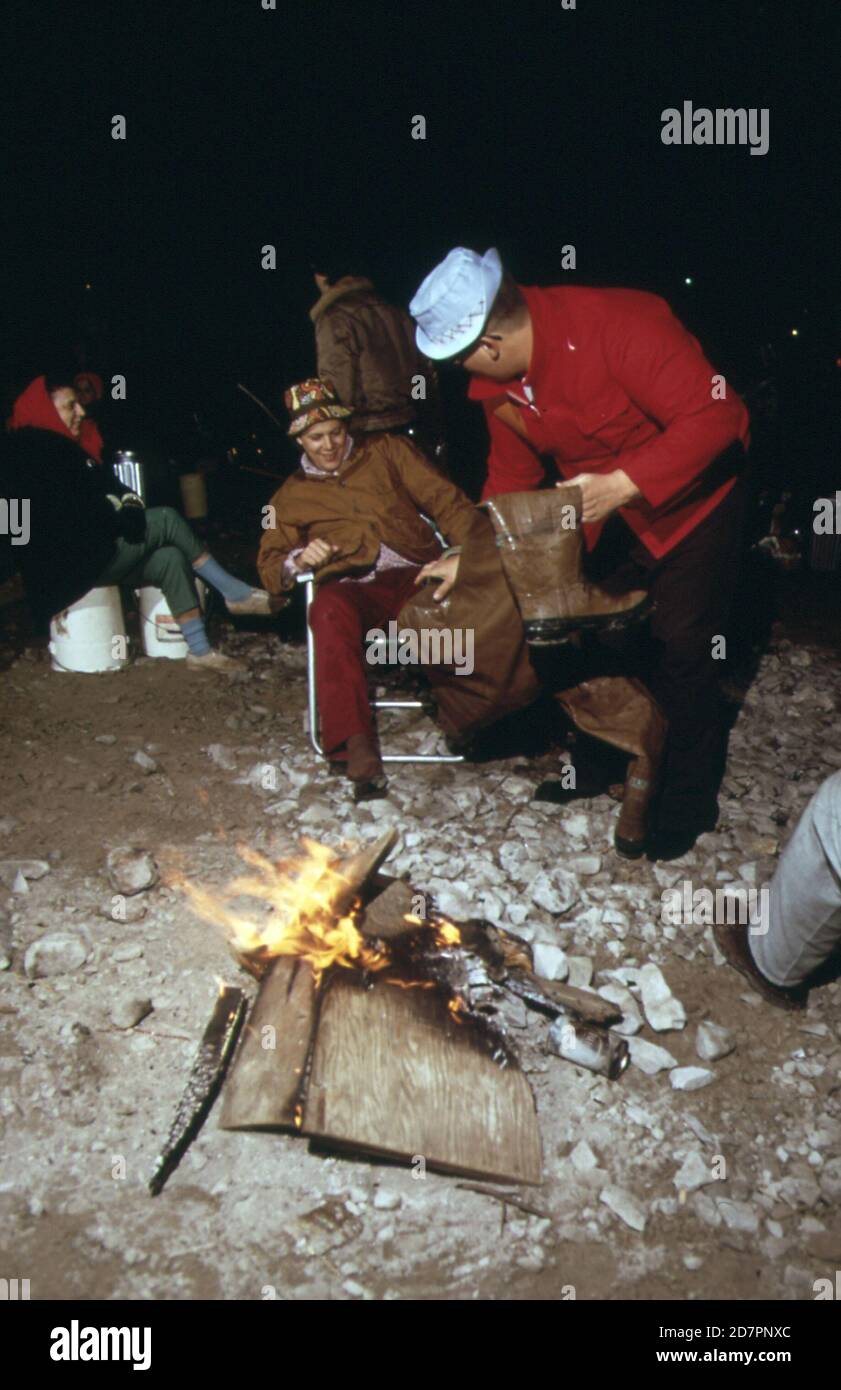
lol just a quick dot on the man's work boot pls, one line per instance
(620, 711)
(541, 546)
(731, 938)
(364, 768)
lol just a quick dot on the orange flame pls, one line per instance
(308, 915)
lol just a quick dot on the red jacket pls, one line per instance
(617, 382)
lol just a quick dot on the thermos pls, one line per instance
(129, 470)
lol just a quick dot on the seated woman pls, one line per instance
(87, 530)
(352, 513)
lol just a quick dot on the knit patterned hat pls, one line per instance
(310, 402)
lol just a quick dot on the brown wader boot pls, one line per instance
(620, 711)
(541, 547)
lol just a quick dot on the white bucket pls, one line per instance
(90, 635)
(161, 633)
(193, 496)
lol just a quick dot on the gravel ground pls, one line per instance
(729, 1189)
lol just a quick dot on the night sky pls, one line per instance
(293, 127)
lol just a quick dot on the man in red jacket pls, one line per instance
(609, 387)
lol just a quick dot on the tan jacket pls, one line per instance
(375, 497)
(366, 347)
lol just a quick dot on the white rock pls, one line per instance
(223, 757)
(517, 789)
(662, 1009)
(623, 999)
(384, 1200)
(12, 869)
(580, 971)
(582, 1157)
(20, 884)
(126, 1013)
(550, 962)
(738, 1216)
(691, 1078)
(555, 891)
(713, 1041)
(58, 953)
(577, 826)
(649, 1057)
(131, 951)
(143, 761)
(131, 870)
(623, 1205)
(450, 902)
(693, 1173)
(516, 861)
(586, 864)
(830, 1181)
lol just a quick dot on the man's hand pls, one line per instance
(602, 493)
(314, 555)
(446, 569)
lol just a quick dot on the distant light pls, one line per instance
(838, 361)
(795, 332)
(87, 284)
(688, 280)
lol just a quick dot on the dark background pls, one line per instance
(292, 127)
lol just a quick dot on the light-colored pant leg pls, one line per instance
(804, 919)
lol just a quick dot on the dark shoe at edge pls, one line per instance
(732, 941)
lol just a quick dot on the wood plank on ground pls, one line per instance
(394, 1074)
(265, 1081)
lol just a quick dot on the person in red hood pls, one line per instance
(610, 390)
(60, 410)
(86, 529)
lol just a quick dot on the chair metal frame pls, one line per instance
(308, 580)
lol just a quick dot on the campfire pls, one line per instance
(374, 1030)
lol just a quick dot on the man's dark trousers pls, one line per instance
(681, 662)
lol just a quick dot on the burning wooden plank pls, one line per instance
(394, 1073)
(203, 1083)
(267, 1079)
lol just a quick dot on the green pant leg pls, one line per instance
(164, 559)
(165, 526)
(169, 570)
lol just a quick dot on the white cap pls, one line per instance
(452, 305)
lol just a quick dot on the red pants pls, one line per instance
(340, 616)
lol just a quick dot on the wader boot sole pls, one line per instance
(554, 632)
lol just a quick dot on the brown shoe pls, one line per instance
(258, 604)
(732, 941)
(364, 768)
(217, 661)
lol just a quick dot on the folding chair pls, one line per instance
(308, 580)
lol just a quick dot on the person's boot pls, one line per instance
(620, 711)
(731, 938)
(364, 768)
(542, 553)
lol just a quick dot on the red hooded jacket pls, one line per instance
(617, 382)
(35, 409)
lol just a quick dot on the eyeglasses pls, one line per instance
(461, 357)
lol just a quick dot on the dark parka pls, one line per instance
(73, 528)
(366, 348)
